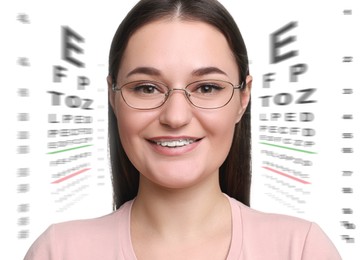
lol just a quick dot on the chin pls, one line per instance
(180, 179)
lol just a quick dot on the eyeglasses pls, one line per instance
(205, 94)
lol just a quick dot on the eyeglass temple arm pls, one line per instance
(240, 86)
(114, 87)
(243, 84)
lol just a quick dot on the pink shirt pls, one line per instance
(255, 236)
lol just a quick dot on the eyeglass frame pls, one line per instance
(186, 92)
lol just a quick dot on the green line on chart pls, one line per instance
(70, 149)
(289, 148)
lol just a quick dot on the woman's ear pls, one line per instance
(245, 95)
(111, 93)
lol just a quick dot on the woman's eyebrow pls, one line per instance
(155, 72)
(144, 70)
(208, 70)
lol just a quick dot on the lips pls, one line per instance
(173, 142)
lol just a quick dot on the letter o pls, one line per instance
(283, 99)
(73, 101)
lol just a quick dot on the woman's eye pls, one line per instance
(146, 89)
(208, 88)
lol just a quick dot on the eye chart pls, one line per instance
(54, 128)
(305, 59)
(307, 123)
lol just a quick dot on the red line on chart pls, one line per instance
(286, 175)
(70, 176)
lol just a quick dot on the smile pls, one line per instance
(174, 146)
(175, 143)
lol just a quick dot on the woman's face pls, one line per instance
(176, 53)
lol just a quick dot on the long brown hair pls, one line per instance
(235, 172)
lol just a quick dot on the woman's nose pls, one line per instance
(176, 112)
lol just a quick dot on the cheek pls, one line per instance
(125, 128)
(128, 126)
(131, 126)
(129, 131)
(224, 133)
(220, 125)
(124, 121)
(222, 121)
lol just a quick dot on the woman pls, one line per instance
(179, 133)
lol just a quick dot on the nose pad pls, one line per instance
(186, 93)
(176, 111)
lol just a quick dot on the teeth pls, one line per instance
(175, 143)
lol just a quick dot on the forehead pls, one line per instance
(179, 45)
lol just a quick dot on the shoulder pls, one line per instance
(81, 239)
(271, 228)
(273, 221)
(100, 228)
(282, 236)
(78, 229)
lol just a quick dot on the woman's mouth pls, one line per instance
(175, 145)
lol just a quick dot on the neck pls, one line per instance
(185, 212)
